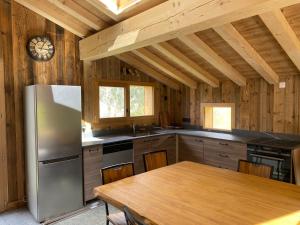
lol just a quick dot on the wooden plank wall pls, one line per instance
(259, 106)
(112, 69)
(17, 24)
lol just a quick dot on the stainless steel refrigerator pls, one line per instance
(53, 150)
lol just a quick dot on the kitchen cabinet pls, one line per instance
(191, 149)
(224, 154)
(151, 144)
(92, 157)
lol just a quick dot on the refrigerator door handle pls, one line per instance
(64, 159)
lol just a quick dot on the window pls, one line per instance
(218, 116)
(125, 100)
(141, 101)
(112, 102)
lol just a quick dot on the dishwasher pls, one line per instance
(117, 153)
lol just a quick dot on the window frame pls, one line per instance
(104, 84)
(153, 94)
(227, 105)
(126, 85)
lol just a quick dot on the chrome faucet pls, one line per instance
(133, 129)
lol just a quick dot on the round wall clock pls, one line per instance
(40, 48)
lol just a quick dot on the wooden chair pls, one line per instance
(112, 174)
(155, 160)
(256, 169)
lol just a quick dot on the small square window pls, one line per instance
(218, 116)
(112, 102)
(141, 100)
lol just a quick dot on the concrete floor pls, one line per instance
(91, 216)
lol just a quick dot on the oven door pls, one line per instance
(281, 164)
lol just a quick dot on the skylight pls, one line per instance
(118, 6)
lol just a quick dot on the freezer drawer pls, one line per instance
(59, 188)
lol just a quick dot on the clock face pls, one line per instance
(40, 48)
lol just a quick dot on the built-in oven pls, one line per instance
(117, 153)
(279, 159)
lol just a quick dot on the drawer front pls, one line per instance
(224, 154)
(191, 140)
(92, 157)
(168, 143)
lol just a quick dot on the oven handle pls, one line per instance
(266, 157)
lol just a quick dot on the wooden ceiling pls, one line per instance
(260, 38)
(85, 17)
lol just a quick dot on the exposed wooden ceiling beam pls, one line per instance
(129, 59)
(202, 49)
(103, 8)
(284, 34)
(189, 65)
(250, 55)
(56, 15)
(75, 10)
(165, 67)
(168, 20)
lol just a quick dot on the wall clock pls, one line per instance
(40, 48)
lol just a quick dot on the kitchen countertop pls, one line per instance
(269, 142)
(114, 138)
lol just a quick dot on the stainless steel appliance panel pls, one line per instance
(58, 121)
(60, 187)
(117, 153)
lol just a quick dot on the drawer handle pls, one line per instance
(223, 155)
(198, 140)
(224, 144)
(94, 150)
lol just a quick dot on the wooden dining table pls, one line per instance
(189, 193)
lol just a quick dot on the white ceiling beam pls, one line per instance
(202, 49)
(168, 20)
(248, 53)
(165, 67)
(284, 34)
(192, 67)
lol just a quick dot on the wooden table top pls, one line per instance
(193, 194)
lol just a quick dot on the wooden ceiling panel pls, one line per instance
(198, 59)
(260, 38)
(171, 62)
(223, 49)
(292, 15)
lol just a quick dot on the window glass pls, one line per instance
(112, 102)
(141, 100)
(216, 117)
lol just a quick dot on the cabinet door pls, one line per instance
(140, 146)
(165, 142)
(92, 157)
(190, 149)
(224, 154)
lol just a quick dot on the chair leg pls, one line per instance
(107, 213)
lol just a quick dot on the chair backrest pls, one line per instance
(296, 165)
(155, 160)
(256, 169)
(133, 220)
(117, 172)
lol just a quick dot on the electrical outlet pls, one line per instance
(282, 85)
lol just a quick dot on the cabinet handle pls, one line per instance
(223, 155)
(225, 144)
(198, 140)
(94, 150)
